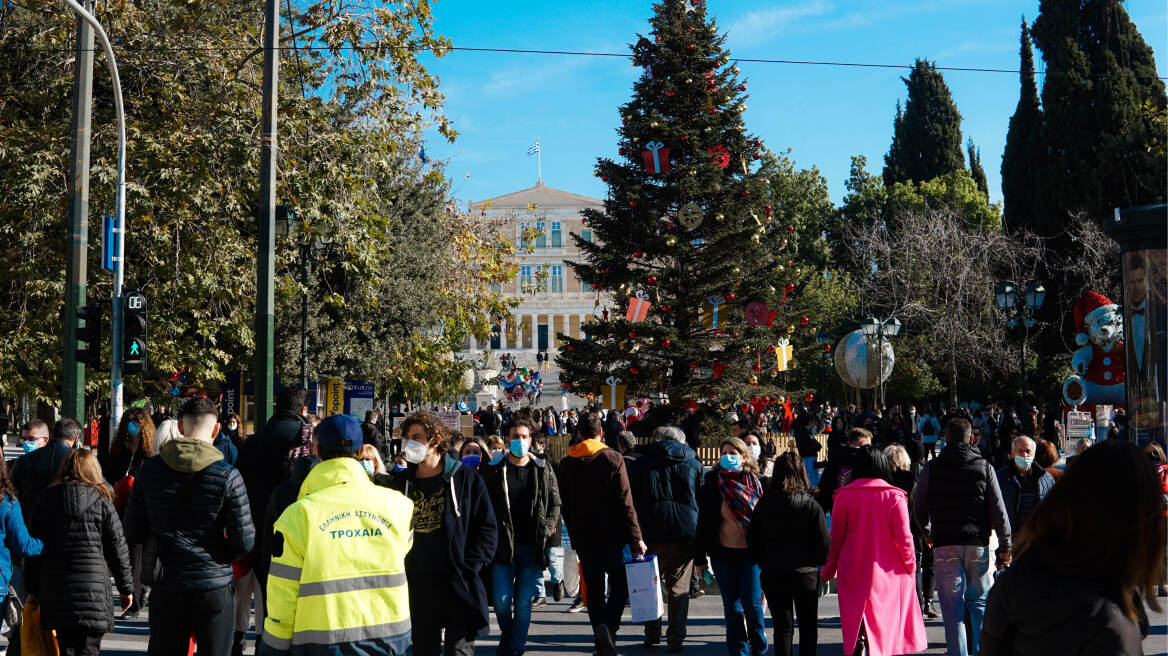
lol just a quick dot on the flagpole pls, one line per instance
(539, 159)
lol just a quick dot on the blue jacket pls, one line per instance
(227, 448)
(1011, 486)
(665, 482)
(16, 538)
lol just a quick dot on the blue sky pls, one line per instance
(500, 103)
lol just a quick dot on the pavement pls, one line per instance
(556, 631)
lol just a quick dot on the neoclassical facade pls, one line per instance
(553, 300)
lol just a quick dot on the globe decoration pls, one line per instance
(852, 365)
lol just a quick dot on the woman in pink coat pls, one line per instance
(872, 553)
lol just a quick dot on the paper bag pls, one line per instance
(645, 589)
(35, 641)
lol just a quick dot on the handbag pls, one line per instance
(11, 609)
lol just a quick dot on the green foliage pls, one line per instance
(763, 218)
(350, 120)
(1022, 159)
(912, 379)
(955, 190)
(1100, 74)
(976, 171)
(926, 139)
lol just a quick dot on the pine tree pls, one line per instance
(926, 140)
(1099, 74)
(976, 171)
(1021, 158)
(742, 241)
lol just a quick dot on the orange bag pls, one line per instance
(35, 641)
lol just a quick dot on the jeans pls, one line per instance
(554, 571)
(513, 587)
(738, 579)
(676, 562)
(964, 577)
(812, 472)
(175, 613)
(595, 563)
(245, 587)
(791, 593)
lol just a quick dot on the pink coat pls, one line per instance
(872, 553)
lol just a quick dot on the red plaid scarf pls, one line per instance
(741, 492)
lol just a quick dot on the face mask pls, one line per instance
(368, 465)
(133, 428)
(415, 451)
(731, 462)
(496, 456)
(472, 462)
(399, 468)
(232, 427)
(755, 451)
(28, 447)
(1023, 463)
(518, 448)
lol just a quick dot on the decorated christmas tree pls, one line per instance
(699, 241)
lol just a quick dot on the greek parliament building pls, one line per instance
(553, 300)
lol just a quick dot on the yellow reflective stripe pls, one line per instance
(276, 642)
(353, 634)
(353, 584)
(284, 571)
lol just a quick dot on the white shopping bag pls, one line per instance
(645, 589)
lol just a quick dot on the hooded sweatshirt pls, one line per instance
(596, 500)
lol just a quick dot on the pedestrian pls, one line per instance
(838, 471)
(163, 433)
(1086, 562)
(957, 503)
(554, 586)
(455, 537)
(788, 539)
(83, 543)
(729, 494)
(193, 505)
(473, 452)
(371, 460)
(1023, 485)
(526, 499)
(930, 430)
(33, 435)
(872, 554)
(665, 481)
(233, 427)
(337, 582)
(264, 460)
(15, 542)
(226, 445)
(370, 434)
(35, 471)
(905, 478)
(602, 523)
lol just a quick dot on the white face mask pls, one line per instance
(415, 451)
(755, 451)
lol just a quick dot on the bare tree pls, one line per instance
(937, 275)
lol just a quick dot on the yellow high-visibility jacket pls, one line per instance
(340, 580)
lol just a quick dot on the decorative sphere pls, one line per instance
(671, 241)
(719, 217)
(736, 271)
(709, 129)
(756, 239)
(653, 124)
(790, 330)
(851, 361)
(735, 70)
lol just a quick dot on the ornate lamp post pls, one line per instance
(1020, 309)
(877, 332)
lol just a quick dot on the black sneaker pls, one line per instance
(577, 606)
(557, 590)
(539, 602)
(697, 593)
(131, 612)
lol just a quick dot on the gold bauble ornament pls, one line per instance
(689, 80)
(756, 239)
(753, 380)
(784, 243)
(653, 124)
(771, 289)
(736, 271)
(671, 241)
(734, 70)
(790, 330)
(709, 129)
(719, 217)
(779, 267)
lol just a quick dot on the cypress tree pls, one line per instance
(1020, 159)
(926, 140)
(976, 171)
(1099, 74)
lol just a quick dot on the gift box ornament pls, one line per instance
(784, 355)
(639, 306)
(656, 157)
(612, 394)
(710, 311)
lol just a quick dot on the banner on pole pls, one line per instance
(334, 397)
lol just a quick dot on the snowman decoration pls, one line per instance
(1099, 364)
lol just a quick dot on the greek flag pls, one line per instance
(534, 148)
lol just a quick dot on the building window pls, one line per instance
(585, 287)
(557, 235)
(497, 287)
(557, 286)
(524, 243)
(586, 235)
(541, 238)
(526, 280)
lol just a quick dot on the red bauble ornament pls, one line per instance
(734, 335)
(757, 143)
(604, 178)
(657, 39)
(634, 371)
(669, 94)
(745, 193)
(730, 297)
(684, 137)
(790, 287)
(666, 308)
(693, 365)
(713, 395)
(652, 280)
(803, 321)
(632, 335)
(791, 229)
(743, 87)
(713, 110)
(827, 348)
(632, 203)
(757, 155)
(665, 343)
(624, 121)
(689, 47)
(769, 211)
(620, 151)
(771, 348)
(809, 398)
(571, 348)
(757, 368)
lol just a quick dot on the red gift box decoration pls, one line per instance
(638, 308)
(656, 157)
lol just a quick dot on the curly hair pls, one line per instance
(7, 489)
(431, 425)
(143, 442)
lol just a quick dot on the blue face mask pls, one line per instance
(472, 462)
(1023, 463)
(28, 447)
(133, 428)
(518, 448)
(399, 468)
(496, 456)
(731, 462)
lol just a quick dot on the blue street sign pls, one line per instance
(107, 243)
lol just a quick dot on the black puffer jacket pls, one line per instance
(665, 482)
(263, 459)
(33, 472)
(959, 501)
(1035, 609)
(190, 492)
(82, 534)
(788, 531)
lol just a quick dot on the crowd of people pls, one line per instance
(348, 537)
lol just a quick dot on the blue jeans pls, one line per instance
(514, 586)
(738, 581)
(964, 577)
(555, 571)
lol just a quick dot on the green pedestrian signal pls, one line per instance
(134, 333)
(134, 348)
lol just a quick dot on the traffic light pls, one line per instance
(89, 336)
(134, 333)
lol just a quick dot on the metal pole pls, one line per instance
(119, 219)
(304, 254)
(265, 269)
(76, 271)
(1025, 335)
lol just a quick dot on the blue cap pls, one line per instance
(339, 433)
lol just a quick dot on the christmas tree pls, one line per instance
(699, 239)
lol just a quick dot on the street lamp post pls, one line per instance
(1020, 309)
(878, 332)
(823, 338)
(116, 322)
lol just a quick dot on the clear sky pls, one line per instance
(500, 103)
